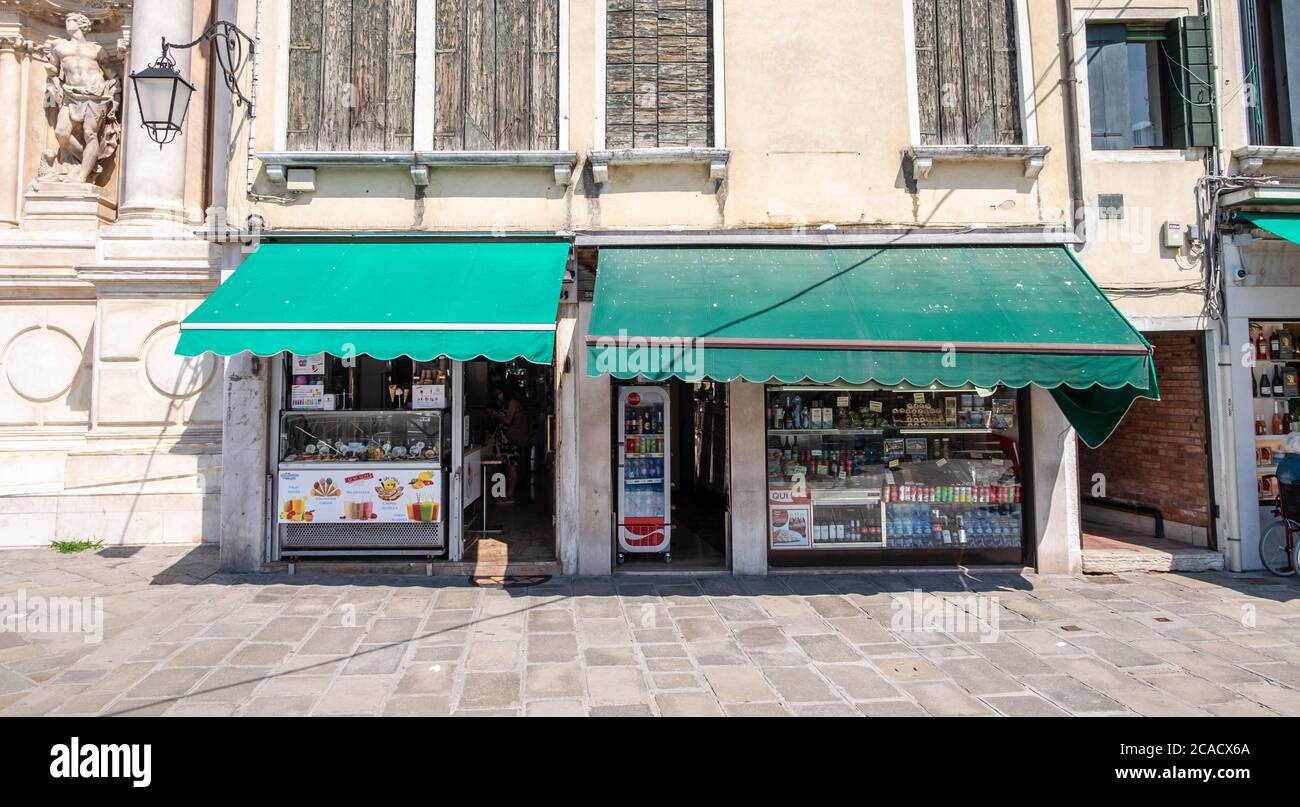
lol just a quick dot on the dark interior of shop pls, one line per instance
(699, 463)
(513, 519)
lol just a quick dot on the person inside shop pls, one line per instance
(511, 436)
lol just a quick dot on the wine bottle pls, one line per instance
(1261, 345)
(1277, 418)
(1265, 386)
(1275, 345)
(1277, 381)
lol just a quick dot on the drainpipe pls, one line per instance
(1069, 95)
(1223, 360)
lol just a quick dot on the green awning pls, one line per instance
(915, 316)
(1283, 225)
(424, 300)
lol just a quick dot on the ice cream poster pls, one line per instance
(382, 494)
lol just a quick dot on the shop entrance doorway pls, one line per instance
(509, 464)
(676, 432)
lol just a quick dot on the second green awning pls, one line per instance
(1283, 225)
(386, 299)
(916, 316)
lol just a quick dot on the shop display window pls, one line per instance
(865, 468)
(1275, 384)
(364, 410)
(360, 437)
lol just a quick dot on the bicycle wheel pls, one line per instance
(1274, 552)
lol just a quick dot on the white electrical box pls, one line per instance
(1173, 235)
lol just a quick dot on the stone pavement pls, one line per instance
(181, 639)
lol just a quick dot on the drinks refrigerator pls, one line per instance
(644, 519)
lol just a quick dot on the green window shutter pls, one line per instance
(1191, 74)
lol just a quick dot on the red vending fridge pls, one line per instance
(644, 483)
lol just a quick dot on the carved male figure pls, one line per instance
(81, 87)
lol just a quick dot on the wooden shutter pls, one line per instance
(449, 68)
(544, 76)
(351, 75)
(304, 75)
(968, 86)
(1008, 126)
(658, 73)
(1190, 61)
(497, 69)
(927, 69)
(338, 95)
(1108, 87)
(619, 85)
(399, 124)
(369, 74)
(511, 75)
(952, 75)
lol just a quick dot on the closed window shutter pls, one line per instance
(497, 68)
(658, 73)
(1108, 91)
(1191, 64)
(304, 75)
(966, 67)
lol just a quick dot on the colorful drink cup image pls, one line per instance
(358, 511)
(423, 511)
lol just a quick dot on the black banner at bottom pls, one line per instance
(338, 756)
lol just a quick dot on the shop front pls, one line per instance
(1261, 356)
(391, 365)
(893, 422)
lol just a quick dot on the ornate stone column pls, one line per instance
(11, 50)
(153, 186)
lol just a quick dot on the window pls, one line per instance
(351, 75)
(1271, 97)
(1128, 88)
(497, 75)
(658, 73)
(1149, 85)
(968, 84)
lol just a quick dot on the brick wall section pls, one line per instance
(1157, 456)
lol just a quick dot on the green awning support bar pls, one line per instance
(918, 316)
(1284, 225)
(386, 299)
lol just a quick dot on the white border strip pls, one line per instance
(426, 81)
(282, 43)
(719, 79)
(367, 326)
(599, 82)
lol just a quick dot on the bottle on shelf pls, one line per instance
(1277, 381)
(1261, 345)
(1275, 345)
(1277, 418)
(1265, 385)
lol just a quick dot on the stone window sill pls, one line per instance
(1251, 159)
(296, 169)
(924, 157)
(715, 158)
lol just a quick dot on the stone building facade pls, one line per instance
(105, 434)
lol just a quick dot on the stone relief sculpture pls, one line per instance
(87, 96)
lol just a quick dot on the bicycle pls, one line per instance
(1279, 545)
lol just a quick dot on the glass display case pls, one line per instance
(358, 437)
(862, 468)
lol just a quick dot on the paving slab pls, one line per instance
(185, 640)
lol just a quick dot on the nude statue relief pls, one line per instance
(82, 88)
